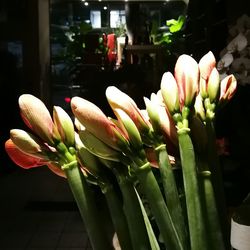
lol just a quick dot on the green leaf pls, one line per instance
(176, 25)
(153, 241)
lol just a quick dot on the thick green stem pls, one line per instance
(153, 194)
(217, 181)
(85, 201)
(196, 223)
(171, 194)
(214, 233)
(118, 217)
(133, 213)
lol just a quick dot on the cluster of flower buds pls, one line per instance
(48, 142)
(131, 143)
(195, 86)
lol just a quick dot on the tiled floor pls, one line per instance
(37, 212)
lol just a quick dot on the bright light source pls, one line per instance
(83, 0)
(105, 7)
(86, 3)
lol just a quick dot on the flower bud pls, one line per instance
(206, 65)
(96, 122)
(119, 100)
(164, 123)
(64, 126)
(213, 85)
(186, 73)
(169, 91)
(199, 107)
(37, 117)
(22, 159)
(131, 129)
(153, 115)
(28, 143)
(227, 89)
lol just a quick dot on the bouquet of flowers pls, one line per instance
(157, 168)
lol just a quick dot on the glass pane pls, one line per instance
(95, 18)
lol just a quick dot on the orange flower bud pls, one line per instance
(22, 159)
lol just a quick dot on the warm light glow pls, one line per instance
(86, 3)
(105, 7)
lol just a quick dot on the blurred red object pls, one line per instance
(111, 44)
(222, 146)
(67, 99)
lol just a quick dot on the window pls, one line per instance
(95, 18)
(117, 17)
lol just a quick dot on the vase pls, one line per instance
(240, 228)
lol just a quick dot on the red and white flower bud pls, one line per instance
(37, 117)
(227, 88)
(28, 143)
(186, 73)
(96, 122)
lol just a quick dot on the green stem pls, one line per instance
(133, 213)
(158, 206)
(192, 193)
(85, 201)
(118, 217)
(217, 181)
(171, 194)
(211, 214)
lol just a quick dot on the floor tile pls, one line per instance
(39, 213)
(74, 223)
(14, 240)
(44, 239)
(72, 240)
